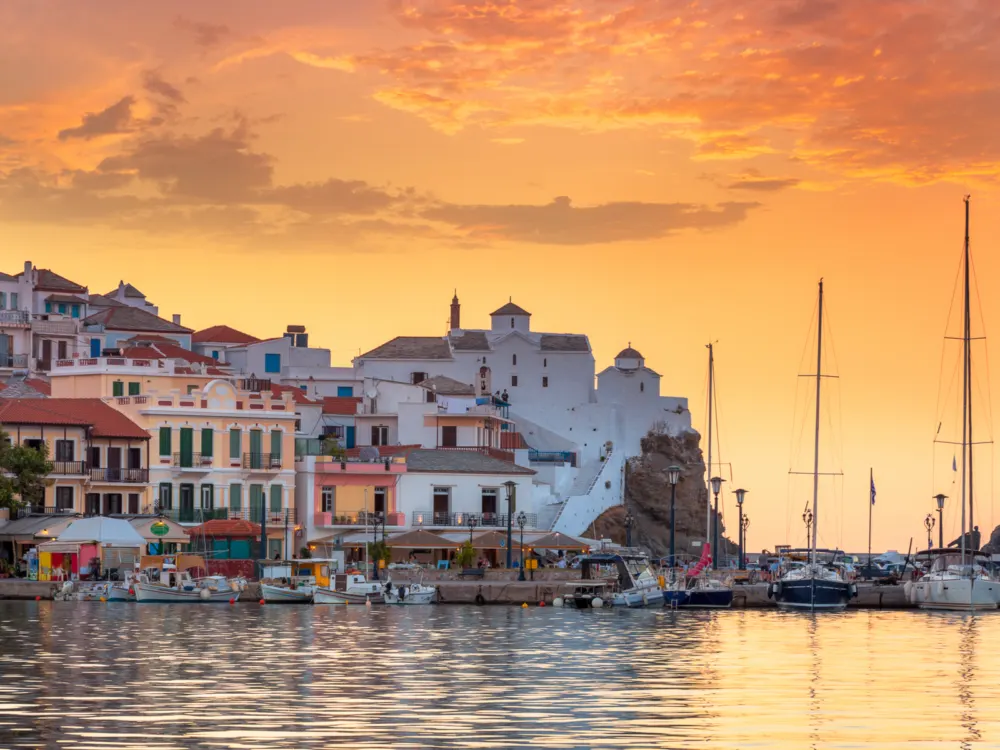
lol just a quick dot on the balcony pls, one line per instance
(465, 520)
(196, 461)
(43, 510)
(552, 457)
(486, 450)
(262, 461)
(56, 326)
(14, 318)
(14, 361)
(124, 476)
(69, 467)
(200, 515)
(255, 385)
(361, 518)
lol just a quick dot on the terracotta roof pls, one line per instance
(228, 527)
(72, 298)
(298, 395)
(166, 349)
(223, 335)
(140, 337)
(564, 342)
(79, 412)
(628, 353)
(510, 309)
(342, 405)
(49, 281)
(471, 341)
(127, 318)
(42, 386)
(510, 441)
(7, 277)
(21, 387)
(411, 347)
(99, 300)
(460, 462)
(445, 386)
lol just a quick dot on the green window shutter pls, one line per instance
(235, 496)
(256, 501)
(118, 388)
(133, 389)
(276, 436)
(165, 441)
(207, 441)
(275, 498)
(187, 446)
(235, 440)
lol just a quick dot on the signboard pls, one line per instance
(531, 564)
(160, 529)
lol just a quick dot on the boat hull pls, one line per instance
(813, 593)
(120, 594)
(148, 593)
(420, 597)
(283, 595)
(708, 599)
(637, 599)
(326, 596)
(675, 598)
(954, 594)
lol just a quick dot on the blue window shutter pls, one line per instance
(272, 362)
(62, 308)
(215, 355)
(48, 307)
(345, 391)
(76, 311)
(95, 347)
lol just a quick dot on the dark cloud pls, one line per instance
(33, 196)
(764, 184)
(205, 34)
(115, 119)
(96, 181)
(332, 196)
(154, 84)
(561, 223)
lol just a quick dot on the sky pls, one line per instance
(649, 171)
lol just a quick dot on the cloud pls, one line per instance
(332, 196)
(764, 184)
(115, 119)
(561, 223)
(154, 84)
(205, 34)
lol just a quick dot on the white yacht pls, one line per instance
(637, 585)
(954, 582)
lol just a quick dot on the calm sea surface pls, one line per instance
(91, 675)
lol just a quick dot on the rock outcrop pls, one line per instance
(648, 498)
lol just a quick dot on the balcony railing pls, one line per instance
(262, 461)
(127, 476)
(200, 515)
(69, 467)
(15, 317)
(43, 510)
(552, 457)
(192, 461)
(15, 361)
(255, 385)
(481, 520)
(361, 518)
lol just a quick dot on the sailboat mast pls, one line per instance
(819, 381)
(708, 468)
(966, 379)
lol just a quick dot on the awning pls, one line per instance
(25, 529)
(495, 540)
(111, 532)
(420, 539)
(555, 540)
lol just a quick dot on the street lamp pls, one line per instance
(716, 486)
(740, 494)
(472, 526)
(746, 525)
(374, 521)
(807, 519)
(629, 520)
(673, 476)
(929, 525)
(521, 521)
(511, 487)
(940, 508)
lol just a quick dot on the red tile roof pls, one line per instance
(42, 386)
(223, 335)
(298, 395)
(227, 527)
(74, 412)
(166, 349)
(49, 281)
(341, 405)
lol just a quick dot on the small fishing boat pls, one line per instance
(294, 581)
(123, 591)
(409, 593)
(589, 595)
(349, 589)
(636, 584)
(170, 582)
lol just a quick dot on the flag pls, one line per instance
(873, 489)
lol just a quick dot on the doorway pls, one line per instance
(186, 510)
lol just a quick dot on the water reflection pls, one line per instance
(86, 675)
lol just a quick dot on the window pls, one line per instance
(62, 349)
(235, 440)
(13, 301)
(207, 442)
(272, 362)
(133, 389)
(418, 377)
(165, 441)
(62, 308)
(489, 506)
(430, 397)
(513, 380)
(38, 445)
(545, 363)
(191, 389)
(207, 496)
(3, 300)
(345, 391)
(235, 496)
(380, 435)
(442, 506)
(215, 354)
(298, 425)
(276, 498)
(274, 549)
(303, 388)
(133, 503)
(48, 307)
(118, 388)
(449, 437)
(134, 458)
(76, 311)
(92, 504)
(256, 502)
(545, 381)
(166, 496)
(276, 436)
(380, 496)
(94, 456)
(515, 360)
(64, 498)
(64, 450)
(642, 387)
(328, 497)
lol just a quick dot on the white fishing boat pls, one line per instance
(286, 593)
(349, 589)
(170, 582)
(124, 591)
(637, 585)
(289, 581)
(409, 593)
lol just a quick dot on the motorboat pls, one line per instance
(636, 585)
(705, 592)
(953, 581)
(349, 589)
(818, 584)
(592, 594)
(409, 593)
(170, 581)
(294, 581)
(124, 591)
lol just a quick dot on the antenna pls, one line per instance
(371, 393)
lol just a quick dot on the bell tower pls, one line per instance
(456, 313)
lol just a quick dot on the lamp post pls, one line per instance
(629, 520)
(807, 519)
(472, 527)
(940, 508)
(716, 486)
(740, 494)
(511, 486)
(374, 521)
(673, 476)
(746, 525)
(929, 525)
(521, 521)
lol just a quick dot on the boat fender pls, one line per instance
(234, 586)
(597, 602)
(205, 594)
(557, 602)
(480, 599)
(854, 591)
(645, 599)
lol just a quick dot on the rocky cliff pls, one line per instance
(648, 498)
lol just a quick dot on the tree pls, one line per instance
(22, 474)
(379, 551)
(465, 556)
(332, 448)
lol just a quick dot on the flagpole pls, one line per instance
(871, 503)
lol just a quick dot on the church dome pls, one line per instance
(628, 353)
(629, 359)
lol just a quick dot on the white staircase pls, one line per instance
(593, 493)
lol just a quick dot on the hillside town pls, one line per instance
(215, 429)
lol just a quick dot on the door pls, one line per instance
(112, 504)
(46, 354)
(187, 503)
(273, 549)
(442, 506)
(133, 503)
(350, 436)
(63, 350)
(256, 449)
(220, 549)
(95, 348)
(449, 437)
(114, 472)
(134, 458)
(256, 502)
(6, 350)
(93, 505)
(187, 446)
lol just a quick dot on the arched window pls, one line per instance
(515, 359)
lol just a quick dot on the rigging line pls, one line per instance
(947, 324)
(982, 323)
(803, 363)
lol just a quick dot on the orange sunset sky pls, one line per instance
(660, 172)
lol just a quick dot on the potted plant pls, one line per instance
(465, 556)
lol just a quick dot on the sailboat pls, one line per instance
(957, 578)
(815, 585)
(703, 591)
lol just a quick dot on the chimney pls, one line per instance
(121, 287)
(177, 319)
(456, 310)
